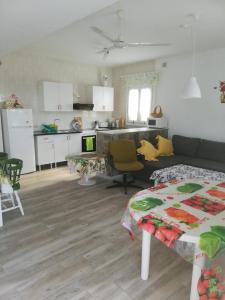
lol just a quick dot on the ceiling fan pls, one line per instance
(119, 42)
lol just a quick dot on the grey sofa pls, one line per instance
(189, 151)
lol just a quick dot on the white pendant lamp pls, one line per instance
(192, 89)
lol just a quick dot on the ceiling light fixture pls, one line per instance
(192, 89)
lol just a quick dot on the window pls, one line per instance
(139, 104)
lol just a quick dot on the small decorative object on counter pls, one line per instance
(12, 102)
(51, 128)
(76, 124)
(157, 112)
(122, 123)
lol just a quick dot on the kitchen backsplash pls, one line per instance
(64, 119)
(21, 73)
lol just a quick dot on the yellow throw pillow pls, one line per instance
(148, 150)
(165, 146)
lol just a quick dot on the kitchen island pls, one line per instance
(136, 134)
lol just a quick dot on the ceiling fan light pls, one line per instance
(192, 89)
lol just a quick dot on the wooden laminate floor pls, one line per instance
(70, 246)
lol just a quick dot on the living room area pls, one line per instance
(123, 194)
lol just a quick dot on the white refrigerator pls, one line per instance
(18, 139)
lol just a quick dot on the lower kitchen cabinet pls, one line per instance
(51, 149)
(61, 144)
(45, 150)
(74, 144)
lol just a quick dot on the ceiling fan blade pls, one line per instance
(106, 50)
(147, 44)
(101, 51)
(101, 33)
(105, 55)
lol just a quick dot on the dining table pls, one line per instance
(187, 216)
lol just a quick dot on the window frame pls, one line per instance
(139, 87)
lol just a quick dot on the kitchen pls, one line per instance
(52, 143)
(66, 117)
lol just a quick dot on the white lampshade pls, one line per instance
(192, 89)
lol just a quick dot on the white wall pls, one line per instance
(120, 92)
(21, 74)
(196, 117)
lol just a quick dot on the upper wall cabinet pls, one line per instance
(103, 98)
(57, 96)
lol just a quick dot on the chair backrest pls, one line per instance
(123, 151)
(12, 169)
(3, 158)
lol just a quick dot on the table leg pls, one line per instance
(145, 260)
(198, 265)
(1, 219)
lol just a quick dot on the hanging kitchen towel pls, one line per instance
(89, 143)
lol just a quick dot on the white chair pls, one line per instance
(9, 198)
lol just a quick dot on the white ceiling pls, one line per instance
(145, 21)
(25, 21)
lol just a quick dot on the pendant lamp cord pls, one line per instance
(193, 37)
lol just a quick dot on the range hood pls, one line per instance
(83, 106)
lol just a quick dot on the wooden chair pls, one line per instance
(12, 171)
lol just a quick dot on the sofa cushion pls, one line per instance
(205, 164)
(164, 162)
(185, 145)
(211, 150)
(165, 146)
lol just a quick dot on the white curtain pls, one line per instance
(138, 79)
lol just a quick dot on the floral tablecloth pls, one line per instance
(181, 211)
(185, 172)
(86, 163)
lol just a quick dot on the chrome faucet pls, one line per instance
(55, 121)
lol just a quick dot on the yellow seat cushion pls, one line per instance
(128, 166)
(148, 150)
(165, 146)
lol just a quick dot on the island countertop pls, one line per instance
(128, 130)
(105, 137)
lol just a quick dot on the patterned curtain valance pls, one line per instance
(148, 78)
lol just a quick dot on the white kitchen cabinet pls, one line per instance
(45, 150)
(61, 147)
(66, 96)
(57, 96)
(50, 96)
(103, 98)
(51, 149)
(75, 143)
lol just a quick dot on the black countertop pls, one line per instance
(39, 132)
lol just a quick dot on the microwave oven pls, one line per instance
(157, 122)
